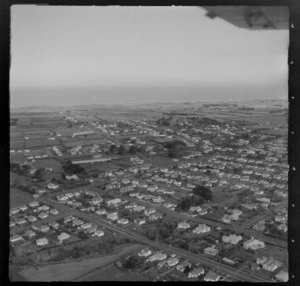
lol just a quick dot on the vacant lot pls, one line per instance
(18, 198)
(16, 144)
(73, 270)
(48, 163)
(112, 273)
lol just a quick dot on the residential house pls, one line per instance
(54, 211)
(172, 261)
(150, 211)
(41, 241)
(155, 216)
(253, 244)
(30, 233)
(98, 233)
(112, 216)
(196, 272)
(232, 238)
(53, 224)
(212, 276)
(272, 265)
(63, 236)
(15, 238)
(157, 256)
(201, 228)
(145, 252)
(44, 228)
(33, 204)
(86, 225)
(123, 221)
(211, 250)
(43, 215)
(282, 276)
(31, 218)
(183, 225)
(140, 221)
(181, 266)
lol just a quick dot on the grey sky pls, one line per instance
(105, 47)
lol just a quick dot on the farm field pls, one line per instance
(16, 144)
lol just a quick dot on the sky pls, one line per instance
(102, 54)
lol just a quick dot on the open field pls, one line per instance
(18, 197)
(112, 273)
(72, 270)
(48, 163)
(31, 143)
(16, 144)
(69, 131)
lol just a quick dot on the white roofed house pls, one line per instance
(44, 228)
(123, 221)
(196, 272)
(112, 216)
(283, 227)
(33, 204)
(145, 252)
(98, 233)
(31, 218)
(172, 261)
(271, 265)
(140, 221)
(42, 241)
(113, 202)
(63, 236)
(181, 266)
(130, 206)
(282, 276)
(253, 244)
(91, 229)
(138, 208)
(183, 225)
(52, 186)
(212, 277)
(43, 215)
(30, 233)
(150, 211)
(54, 211)
(16, 238)
(211, 250)
(155, 216)
(202, 228)
(232, 238)
(86, 225)
(157, 256)
(72, 177)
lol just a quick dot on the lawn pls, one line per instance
(18, 198)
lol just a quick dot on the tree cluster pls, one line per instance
(188, 202)
(203, 192)
(71, 168)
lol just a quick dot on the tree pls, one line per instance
(121, 149)
(112, 148)
(71, 168)
(131, 263)
(203, 192)
(132, 149)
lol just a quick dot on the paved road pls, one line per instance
(193, 257)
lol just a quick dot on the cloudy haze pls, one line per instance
(80, 55)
